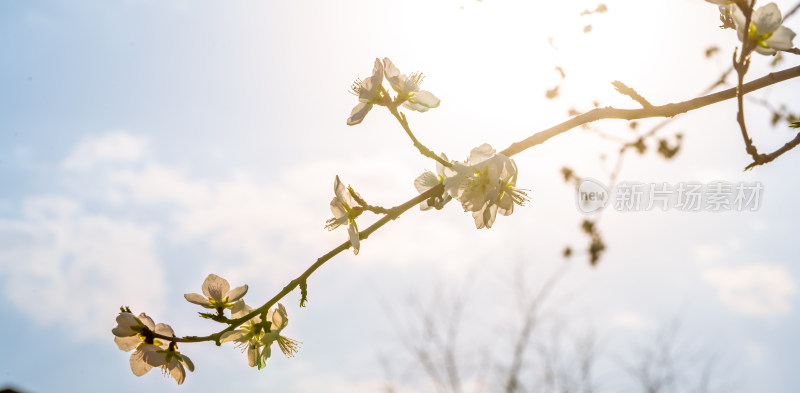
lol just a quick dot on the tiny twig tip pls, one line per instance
(624, 89)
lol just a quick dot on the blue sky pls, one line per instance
(145, 144)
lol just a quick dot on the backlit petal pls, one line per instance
(127, 343)
(355, 241)
(198, 299)
(215, 287)
(425, 98)
(781, 39)
(767, 18)
(358, 113)
(177, 372)
(426, 181)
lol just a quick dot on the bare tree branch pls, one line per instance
(667, 110)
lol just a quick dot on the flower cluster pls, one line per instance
(765, 31)
(370, 91)
(485, 184)
(257, 334)
(138, 333)
(154, 348)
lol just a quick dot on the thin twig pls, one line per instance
(667, 110)
(422, 148)
(624, 89)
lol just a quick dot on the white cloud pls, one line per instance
(755, 290)
(705, 253)
(117, 146)
(61, 265)
(631, 321)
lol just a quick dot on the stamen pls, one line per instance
(355, 88)
(519, 195)
(416, 77)
(332, 224)
(288, 346)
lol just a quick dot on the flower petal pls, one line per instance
(215, 287)
(137, 360)
(781, 39)
(767, 18)
(377, 71)
(339, 212)
(198, 299)
(425, 98)
(391, 73)
(165, 330)
(340, 190)
(480, 154)
(358, 113)
(125, 324)
(127, 343)
(355, 241)
(765, 51)
(262, 360)
(505, 204)
(279, 318)
(176, 371)
(155, 358)
(456, 178)
(188, 362)
(426, 181)
(486, 216)
(233, 335)
(253, 353)
(240, 309)
(472, 200)
(147, 321)
(236, 293)
(439, 167)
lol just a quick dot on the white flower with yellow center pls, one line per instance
(407, 88)
(485, 185)
(217, 294)
(507, 197)
(247, 335)
(368, 91)
(136, 333)
(279, 321)
(765, 28)
(257, 335)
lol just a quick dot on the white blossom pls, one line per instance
(247, 335)
(507, 197)
(256, 336)
(368, 92)
(428, 180)
(342, 207)
(279, 321)
(136, 333)
(485, 184)
(216, 293)
(407, 88)
(765, 28)
(172, 362)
